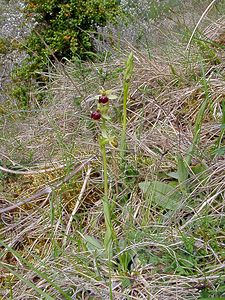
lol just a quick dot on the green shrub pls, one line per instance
(66, 25)
(62, 28)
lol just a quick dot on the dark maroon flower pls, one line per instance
(96, 115)
(103, 99)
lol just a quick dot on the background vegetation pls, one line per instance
(165, 183)
(60, 29)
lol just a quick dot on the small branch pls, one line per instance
(48, 189)
(30, 172)
(77, 204)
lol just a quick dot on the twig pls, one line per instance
(48, 189)
(30, 172)
(77, 204)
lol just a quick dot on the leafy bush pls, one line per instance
(66, 25)
(62, 28)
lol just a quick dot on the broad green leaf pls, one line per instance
(161, 194)
(198, 169)
(173, 175)
(182, 169)
(93, 244)
(201, 171)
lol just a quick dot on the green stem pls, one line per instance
(105, 175)
(108, 241)
(106, 206)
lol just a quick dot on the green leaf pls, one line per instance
(161, 194)
(219, 152)
(93, 244)
(103, 141)
(182, 169)
(173, 175)
(198, 169)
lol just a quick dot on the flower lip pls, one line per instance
(103, 99)
(96, 115)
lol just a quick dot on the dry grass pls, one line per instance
(173, 254)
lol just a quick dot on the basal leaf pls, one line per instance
(161, 194)
(93, 244)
